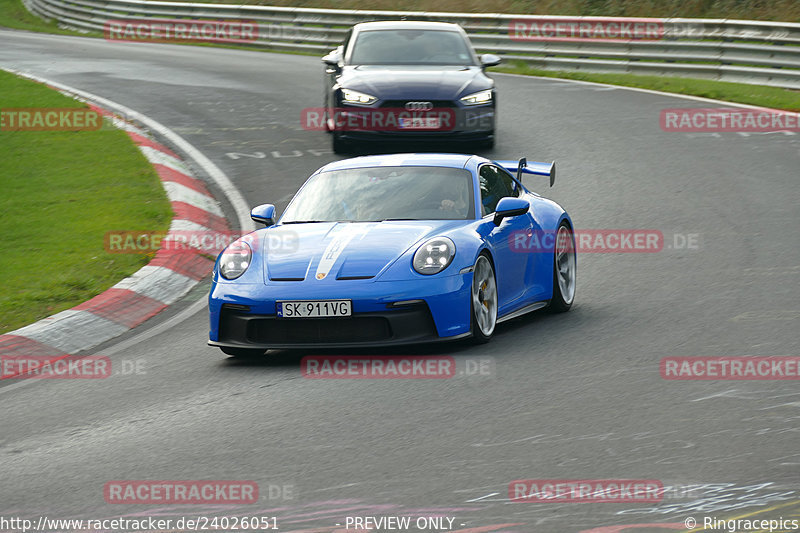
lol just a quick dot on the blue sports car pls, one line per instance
(395, 249)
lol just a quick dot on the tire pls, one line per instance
(564, 270)
(327, 122)
(243, 353)
(340, 146)
(483, 300)
(489, 143)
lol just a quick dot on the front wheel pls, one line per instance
(327, 121)
(483, 301)
(564, 270)
(340, 146)
(490, 141)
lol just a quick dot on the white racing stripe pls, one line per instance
(344, 234)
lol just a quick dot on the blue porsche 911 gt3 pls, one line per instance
(395, 249)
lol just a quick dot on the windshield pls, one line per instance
(384, 193)
(410, 47)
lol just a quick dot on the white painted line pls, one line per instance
(648, 91)
(194, 308)
(98, 327)
(158, 283)
(482, 497)
(71, 331)
(181, 193)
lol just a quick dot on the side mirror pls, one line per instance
(263, 214)
(510, 207)
(333, 58)
(490, 60)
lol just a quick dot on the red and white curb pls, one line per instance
(133, 300)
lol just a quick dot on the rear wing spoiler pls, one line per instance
(534, 167)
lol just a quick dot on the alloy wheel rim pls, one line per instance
(565, 264)
(484, 296)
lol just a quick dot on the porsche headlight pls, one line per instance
(354, 97)
(481, 97)
(235, 260)
(434, 255)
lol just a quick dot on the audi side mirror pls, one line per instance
(490, 60)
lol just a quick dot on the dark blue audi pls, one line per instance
(408, 80)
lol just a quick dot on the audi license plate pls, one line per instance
(420, 123)
(315, 308)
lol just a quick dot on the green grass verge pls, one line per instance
(13, 14)
(759, 95)
(62, 191)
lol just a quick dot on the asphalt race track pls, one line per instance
(571, 396)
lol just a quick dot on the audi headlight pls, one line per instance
(481, 97)
(434, 255)
(235, 260)
(354, 97)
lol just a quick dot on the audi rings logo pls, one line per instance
(419, 106)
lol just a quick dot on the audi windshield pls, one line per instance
(411, 47)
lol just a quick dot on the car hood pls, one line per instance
(415, 82)
(341, 250)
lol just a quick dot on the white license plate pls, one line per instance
(315, 308)
(420, 123)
